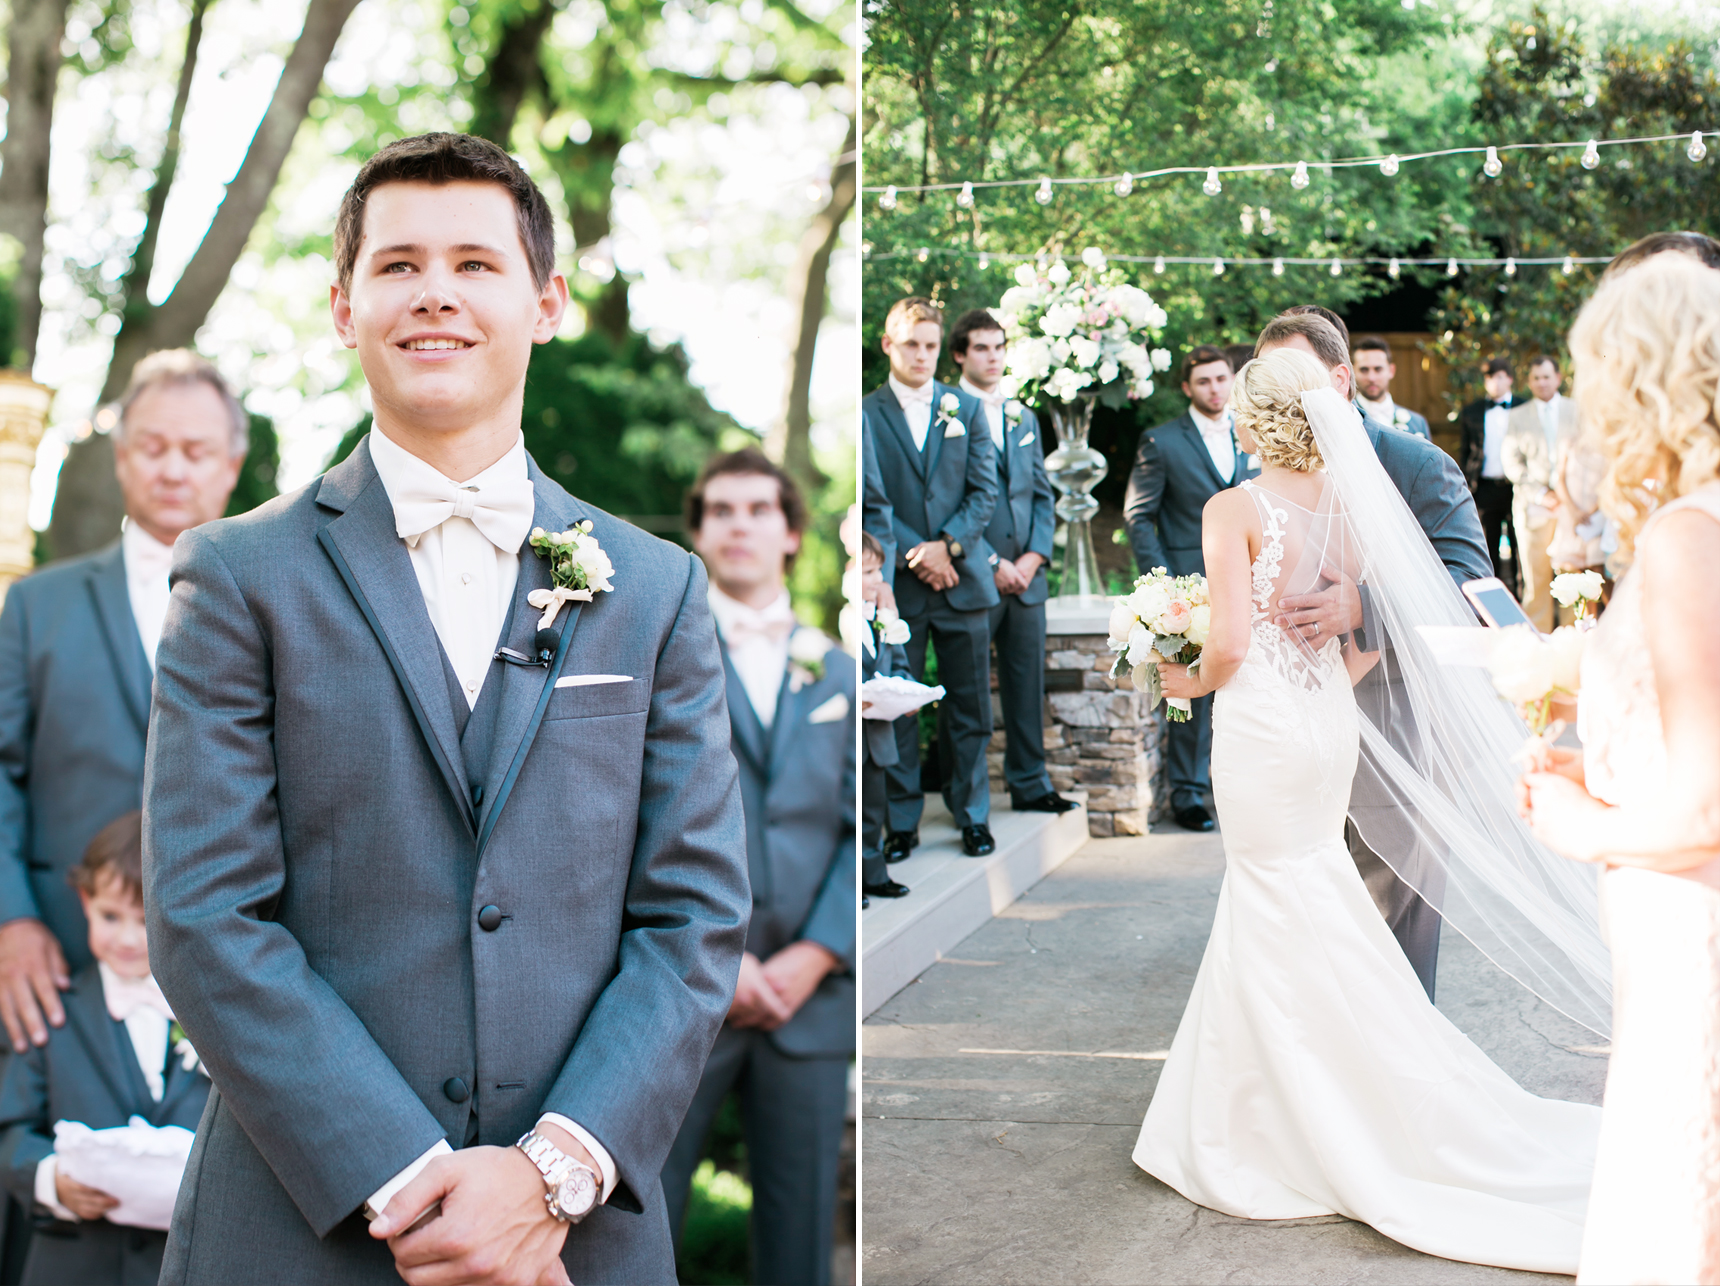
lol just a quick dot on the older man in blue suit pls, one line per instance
(1179, 466)
(939, 472)
(77, 651)
(789, 1038)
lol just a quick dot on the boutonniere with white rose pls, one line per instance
(1011, 413)
(949, 408)
(578, 568)
(1400, 417)
(891, 629)
(806, 649)
(180, 1044)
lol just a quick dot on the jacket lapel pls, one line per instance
(526, 689)
(119, 630)
(1197, 444)
(935, 432)
(179, 1083)
(790, 706)
(890, 411)
(373, 562)
(743, 719)
(114, 1061)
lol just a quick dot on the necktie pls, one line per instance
(127, 996)
(501, 510)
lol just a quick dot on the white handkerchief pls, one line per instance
(586, 680)
(138, 1163)
(832, 710)
(1025, 440)
(955, 429)
(890, 697)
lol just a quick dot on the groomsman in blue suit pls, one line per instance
(77, 654)
(1019, 535)
(1178, 468)
(789, 1037)
(939, 473)
(1375, 372)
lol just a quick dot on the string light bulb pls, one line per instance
(1510, 267)
(1337, 268)
(1212, 187)
(1218, 267)
(1125, 185)
(922, 254)
(1591, 155)
(1492, 167)
(1697, 149)
(1569, 266)
(1159, 265)
(1043, 196)
(1393, 269)
(964, 198)
(888, 200)
(984, 261)
(1299, 179)
(1451, 267)
(1389, 166)
(1277, 267)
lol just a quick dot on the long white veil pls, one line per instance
(1434, 793)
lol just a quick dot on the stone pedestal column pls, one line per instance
(23, 418)
(1099, 735)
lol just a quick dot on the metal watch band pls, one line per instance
(556, 1167)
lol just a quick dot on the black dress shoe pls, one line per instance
(1193, 818)
(887, 889)
(898, 844)
(1050, 802)
(977, 841)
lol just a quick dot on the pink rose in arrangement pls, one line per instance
(1176, 618)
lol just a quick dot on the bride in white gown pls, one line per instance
(1310, 1074)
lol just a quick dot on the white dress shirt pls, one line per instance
(468, 569)
(993, 404)
(757, 641)
(1382, 411)
(916, 408)
(147, 562)
(139, 1004)
(1549, 411)
(1220, 442)
(1497, 420)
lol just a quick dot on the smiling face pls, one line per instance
(117, 937)
(744, 536)
(442, 308)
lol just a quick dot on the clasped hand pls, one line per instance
(770, 992)
(930, 561)
(1553, 798)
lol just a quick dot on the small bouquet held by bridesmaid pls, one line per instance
(1167, 618)
(1532, 670)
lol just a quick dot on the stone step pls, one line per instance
(953, 894)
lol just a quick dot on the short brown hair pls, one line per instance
(1372, 344)
(115, 853)
(447, 158)
(1202, 355)
(973, 321)
(1498, 366)
(1545, 359)
(749, 460)
(916, 308)
(171, 366)
(1704, 249)
(1325, 314)
(1328, 345)
(869, 544)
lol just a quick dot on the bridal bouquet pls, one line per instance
(1167, 618)
(1075, 332)
(1531, 669)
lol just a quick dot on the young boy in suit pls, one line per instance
(112, 1060)
(876, 658)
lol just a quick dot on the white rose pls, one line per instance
(1018, 299)
(1025, 275)
(1059, 273)
(1093, 257)
(1085, 350)
(1060, 320)
(1200, 624)
(1122, 621)
(896, 632)
(1566, 645)
(950, 405)
(1149, 602)
(1161, 359)
(1523, 665)
(598, 568)
(1012, 409)
(808, 646)
(1107, 371)
(1570, 586)
(1143, 388)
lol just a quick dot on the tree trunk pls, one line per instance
(587, 172)
(38, 26)
(87, 503)
(512, 73)
(789, 442)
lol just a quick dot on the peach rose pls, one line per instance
(1176, 618)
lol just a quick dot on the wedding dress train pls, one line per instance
(1310, 1074)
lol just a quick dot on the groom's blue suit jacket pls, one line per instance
(319, 859)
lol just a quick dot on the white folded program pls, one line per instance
(891, 697)
(137, 1164)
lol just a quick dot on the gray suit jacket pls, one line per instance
(316, 861)
(797, 784)
(950, 487)
(74, 708)
(1023, 520)
(1171, 482)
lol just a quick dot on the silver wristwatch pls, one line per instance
(573, 1188)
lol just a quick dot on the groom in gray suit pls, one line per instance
(1433, 487)
(1179, 466)
(443, 844)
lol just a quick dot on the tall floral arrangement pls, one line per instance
(1074, 332)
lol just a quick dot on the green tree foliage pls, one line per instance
(1541, 81)
(257, 475)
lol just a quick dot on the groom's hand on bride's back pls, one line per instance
(1336, 610)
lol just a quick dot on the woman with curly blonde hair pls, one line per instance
(1643, 796)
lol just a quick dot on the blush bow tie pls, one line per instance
(127, 996)
(772, 625)
(501, 510)
(921, 396)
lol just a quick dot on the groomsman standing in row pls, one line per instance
(789, 1037)
(1375, 372)
(1537, 432)
(1019, 534)
(1178, 468)
(1485, 422)
(939, 472)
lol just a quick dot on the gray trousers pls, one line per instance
(872, 809)
(963, 643)
(1188, 756)
(792, 1110)
(1018, 633)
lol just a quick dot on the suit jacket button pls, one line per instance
(490, 919)
(456, 1090)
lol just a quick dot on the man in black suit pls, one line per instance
(1019, 536)
(1485, 422)
(1178, 468)
(939, 474)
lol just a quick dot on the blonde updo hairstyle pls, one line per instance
(1267, 402)
(1647, 353)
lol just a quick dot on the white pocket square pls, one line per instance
(587, 680)
(1025, 440)
(955, 429)
(832, 710)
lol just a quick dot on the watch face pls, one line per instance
(577, 1193)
